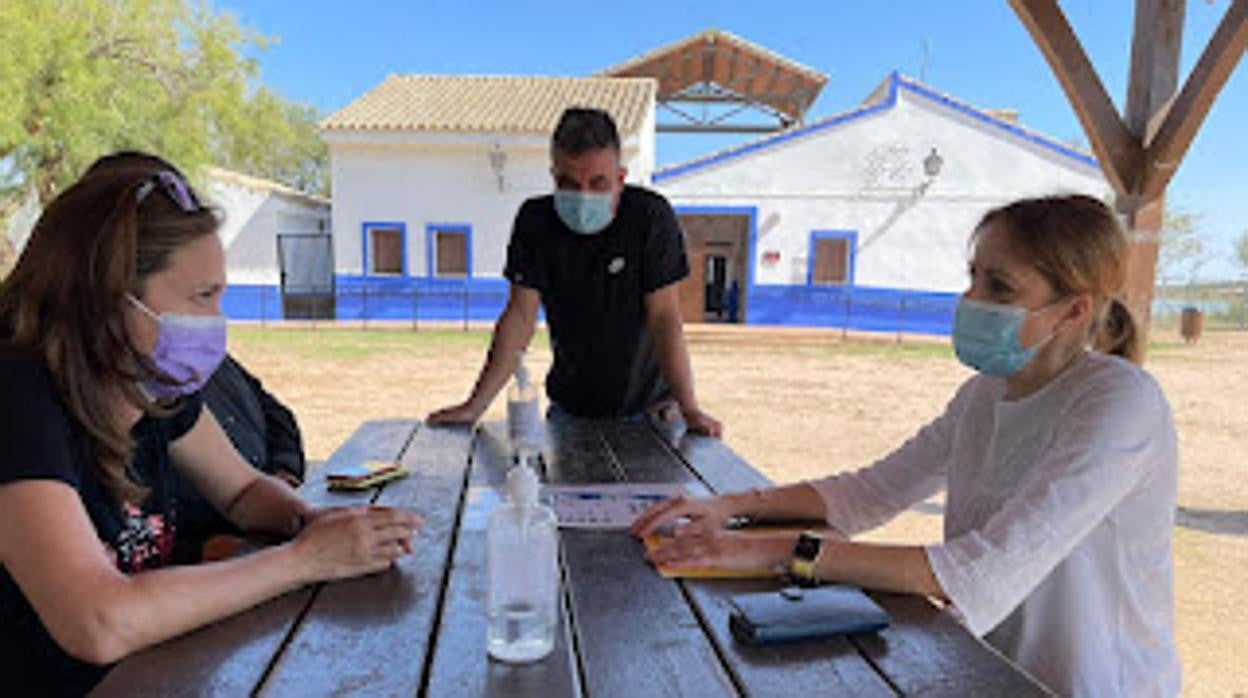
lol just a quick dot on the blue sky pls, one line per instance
(329, 52)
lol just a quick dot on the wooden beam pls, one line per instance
(1120, 154)
(1155, 50)
(1168, 146)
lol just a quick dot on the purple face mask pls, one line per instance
(188, 349)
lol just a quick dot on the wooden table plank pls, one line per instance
(372, 634)
(230, 657)
(717, 465)
(636, 633)
(834, 665)
(576, 449)
(925, 651)
(461, 666)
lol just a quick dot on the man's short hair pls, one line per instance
(581, 130)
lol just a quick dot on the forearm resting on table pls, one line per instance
(797, 502)
(897, 568)
(133, 612)
(268, 505)
(512, 335)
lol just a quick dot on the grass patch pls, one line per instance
(353, 343)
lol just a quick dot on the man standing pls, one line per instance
(604, 259)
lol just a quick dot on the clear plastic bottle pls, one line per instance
(524, 416)
(523, 544)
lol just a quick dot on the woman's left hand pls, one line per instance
(702, 547)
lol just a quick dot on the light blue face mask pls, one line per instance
(585, 213)
(986, 337)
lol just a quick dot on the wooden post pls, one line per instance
(1140, 153)
(1155, 48)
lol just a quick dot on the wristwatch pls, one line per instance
(805, 554)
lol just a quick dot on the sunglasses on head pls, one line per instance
(176, 188)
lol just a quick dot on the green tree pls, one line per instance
(1241, 250)
(1183, 249)
(80, 78)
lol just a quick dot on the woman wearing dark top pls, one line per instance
(109, 324)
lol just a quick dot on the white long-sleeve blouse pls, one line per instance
(1058, 521)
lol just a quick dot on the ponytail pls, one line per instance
(1118, 333)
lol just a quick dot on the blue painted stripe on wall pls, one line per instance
(857, 308)
(896, 83)
(252, 302)
(392, 298)
(1030, 136)
(768, 142)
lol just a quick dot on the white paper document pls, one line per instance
(605, 505)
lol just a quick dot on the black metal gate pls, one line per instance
(307, 264)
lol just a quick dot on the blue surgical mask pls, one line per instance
(986, 337)
(585, 213)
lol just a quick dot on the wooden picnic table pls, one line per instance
(420, 627)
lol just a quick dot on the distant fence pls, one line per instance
(1224, 306)
(418, 301)
(861, 309)
(389, 305)
(854, 309)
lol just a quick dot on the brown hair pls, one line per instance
(65, 300)
(1076, 243)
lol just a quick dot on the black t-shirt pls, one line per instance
(41, 440)
(593, 288)
(264, 433)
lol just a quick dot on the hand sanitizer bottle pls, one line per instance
(523, 603)
(524, 416)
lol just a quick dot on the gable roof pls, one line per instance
(882, 99)
(491, 103)
(260, 184)
(724, 59)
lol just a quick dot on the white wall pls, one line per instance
(253, 219)
(422, 179)
(866, 175)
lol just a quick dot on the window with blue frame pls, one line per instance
(449, 250)
(831, 258)
(384, 249)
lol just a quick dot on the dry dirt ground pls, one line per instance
(799, 404)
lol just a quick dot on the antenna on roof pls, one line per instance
(926, 54)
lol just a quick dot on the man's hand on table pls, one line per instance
(463, 413)
(700, 422)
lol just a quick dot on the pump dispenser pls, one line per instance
(523, 602)
(524, 416)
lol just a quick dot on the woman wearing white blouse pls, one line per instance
(1059, 462)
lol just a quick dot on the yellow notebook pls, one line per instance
(653, 541)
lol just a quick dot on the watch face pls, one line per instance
(807, 547)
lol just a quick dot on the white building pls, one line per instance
(429, 171)
(263, 222)
(861, 218)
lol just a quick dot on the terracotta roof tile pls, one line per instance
(491, 104)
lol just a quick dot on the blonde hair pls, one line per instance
(1077, 244)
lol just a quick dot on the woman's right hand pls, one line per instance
(353, 541)
(703, 514)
